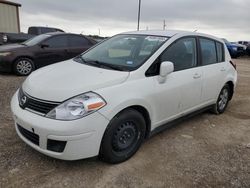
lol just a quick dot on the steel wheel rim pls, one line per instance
(24, 67)
(125, 137)
(223, 98)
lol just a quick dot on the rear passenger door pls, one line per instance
(214, 68)
(77, 45)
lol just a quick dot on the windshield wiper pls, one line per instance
(110, 66)
(100, 64)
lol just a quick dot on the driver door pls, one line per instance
(181, 92)
(52, 50)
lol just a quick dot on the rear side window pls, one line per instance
(220, 52)
(182, 53)
(77, 41)
(208, 51)
(57, 42)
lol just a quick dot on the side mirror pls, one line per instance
(166, 68)
(44, 45)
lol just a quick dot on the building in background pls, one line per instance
(9, 17)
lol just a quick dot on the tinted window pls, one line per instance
(182, 53)
(208, 51)
(220, 51)
(47, 30)
(35, 40)
(57, 42)
(32, 31)
(76, 41)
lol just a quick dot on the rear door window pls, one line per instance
(77, 41)
(208, 51)
(220, 52)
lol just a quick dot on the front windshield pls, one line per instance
(35, 40)
(126, 52)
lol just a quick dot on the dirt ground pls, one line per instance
(204, 151)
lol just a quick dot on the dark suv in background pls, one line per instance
(235, 50)
(42, 50)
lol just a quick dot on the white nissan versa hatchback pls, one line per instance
(109, 99)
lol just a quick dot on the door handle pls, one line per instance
(196, 76)
(222, 69)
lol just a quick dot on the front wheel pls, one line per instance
(222, 100)
(23, 66)
(123, 136)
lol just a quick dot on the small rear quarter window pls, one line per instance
(220, 52)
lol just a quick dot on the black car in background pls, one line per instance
(8, 38)
(248, 50)
(42, 50)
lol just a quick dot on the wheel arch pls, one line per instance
(23, 56)
(144, 112)
(231, 86)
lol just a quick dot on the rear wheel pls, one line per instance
(222, 100)
(123, 136)
(23, 66)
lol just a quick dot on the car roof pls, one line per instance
(56, 33)
(62, 33)
(170, 33)
(165, 33)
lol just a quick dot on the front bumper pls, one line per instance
(5, 64)
(82, 137)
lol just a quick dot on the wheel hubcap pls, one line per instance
(125, 136)
(223, 99)
(24, 67)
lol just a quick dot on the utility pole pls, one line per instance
(139, 15)
(164, 25)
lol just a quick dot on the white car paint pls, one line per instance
(181, 93)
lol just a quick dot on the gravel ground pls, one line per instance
(204, 151)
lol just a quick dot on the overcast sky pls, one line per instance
(223, 18)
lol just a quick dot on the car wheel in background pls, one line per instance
(23, 66)
(222, 100)
(123, 136)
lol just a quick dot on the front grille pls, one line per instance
(34, 138)
(36, 105)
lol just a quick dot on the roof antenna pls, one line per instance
(195, 30)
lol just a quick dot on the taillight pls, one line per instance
(232, 63)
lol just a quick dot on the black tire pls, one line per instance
(222, 100)
(123, 137)
(23, 66)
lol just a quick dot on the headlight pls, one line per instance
(3, 54)
(5, 38)
(235, 48)
(77, 107)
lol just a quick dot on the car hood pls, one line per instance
(234, 45)
(11, 47)
(64, 80)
